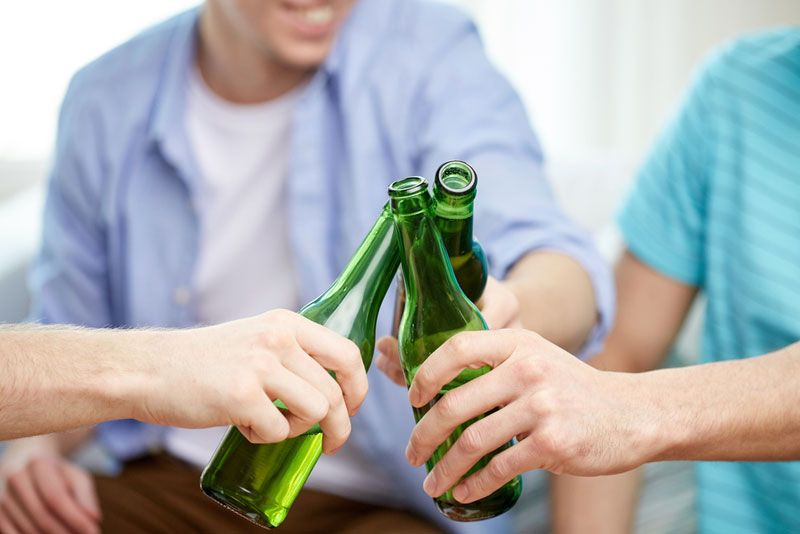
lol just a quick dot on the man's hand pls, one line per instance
(498, 305)
(229, 375)
(568, 417)
(42, 492)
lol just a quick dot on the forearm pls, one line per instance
(594, 504)
(742, 410)
(56, 378)
(556, 298)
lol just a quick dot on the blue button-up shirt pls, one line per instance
(406, 87)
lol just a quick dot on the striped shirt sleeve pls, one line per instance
(663, 221)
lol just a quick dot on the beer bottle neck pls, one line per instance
(426, 266)
(350, 306)
(454, 191)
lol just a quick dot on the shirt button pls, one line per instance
(181, 296)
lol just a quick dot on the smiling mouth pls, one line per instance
(317, 15)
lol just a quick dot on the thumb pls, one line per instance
(389, 360)
(82, 486)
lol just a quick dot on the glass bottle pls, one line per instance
(260, 482)
(454, 190)
(436, 308)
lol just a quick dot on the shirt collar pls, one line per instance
(170, 101)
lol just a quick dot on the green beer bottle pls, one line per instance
(436, 308)
(454, 190)
(260, 482)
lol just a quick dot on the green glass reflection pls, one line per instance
(454, 190)
(436, 308)
(260, 482)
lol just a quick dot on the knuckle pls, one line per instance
(262, 365)
(531, 337)
(445, 471)
(497, 469)
(459, 343)
(276, 339)
(448, 406)
(423, 378)
(241, 391)
(525, 371)
(544, 404)
(417, 442)
(548, 442)
(471, 441)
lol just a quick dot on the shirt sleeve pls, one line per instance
(69, 278)
(469, 111)
(663, 221)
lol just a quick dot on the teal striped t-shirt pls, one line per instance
(717, 206)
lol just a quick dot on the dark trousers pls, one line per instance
(162, 494)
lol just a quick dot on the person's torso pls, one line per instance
(351, 134)
(244, 265)
(752, 257)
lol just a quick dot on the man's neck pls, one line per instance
(239, 73)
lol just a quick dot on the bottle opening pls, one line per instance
(456, 177)
(407, 186)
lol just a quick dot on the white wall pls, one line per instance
(42, 43)
(604, 74)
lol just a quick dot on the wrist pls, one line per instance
(133, 378)
(644, 422)
(669, 429)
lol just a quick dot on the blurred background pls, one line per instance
(598, 77)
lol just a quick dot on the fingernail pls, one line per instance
(461, 493)
(413, 396)
(430, 484)
(411, 455)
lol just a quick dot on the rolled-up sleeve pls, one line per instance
(469, 111)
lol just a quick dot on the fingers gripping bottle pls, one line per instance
(260, 482)
(436, 308)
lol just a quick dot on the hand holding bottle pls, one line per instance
(231, 373)
(227, 374)
(568, 417)
(498, 305)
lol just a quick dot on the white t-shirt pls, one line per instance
(245, 260)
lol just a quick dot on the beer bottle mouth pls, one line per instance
(456, 177)
(407, 187)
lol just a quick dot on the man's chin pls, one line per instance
(306, 57)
